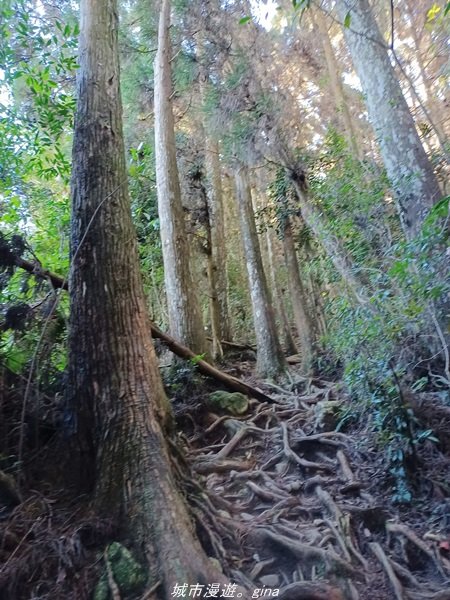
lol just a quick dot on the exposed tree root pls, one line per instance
(412, 537)
(281, 505)
(396, 585)
(305, 590)
(332, 562)
(291, 455)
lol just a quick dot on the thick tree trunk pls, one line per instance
(270, 360)
(298, 297)
(407, 165)
(336, 86)
(114, 383)
(185, 319)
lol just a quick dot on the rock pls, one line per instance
(270, 581)
(234, 403)
(327, 415)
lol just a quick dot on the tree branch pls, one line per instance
(174, 346)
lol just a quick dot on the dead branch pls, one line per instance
(235, 345)
(176, 347)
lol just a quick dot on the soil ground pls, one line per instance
(294, 495)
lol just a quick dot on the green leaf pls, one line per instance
(347, 20)
(439, 210)
(447, 9)
(433, 12)
(244, 20)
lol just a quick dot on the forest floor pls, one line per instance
(293, 495)
(299, 497)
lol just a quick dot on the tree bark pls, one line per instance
(205, 368)
(342, 262)
(298, 297)
(289, 341)
(407, 165)
(217, 225)
(270, 360)
(435, 112)
(185, 319)
(336, 86)
(214, 304)
(114, 383)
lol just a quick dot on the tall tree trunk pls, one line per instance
(289, 341)
(435, 112)
(407, 165)
(343, 263)
(215, 207)
(337, 88)
(217, 225)
(270, 360)
(185, 319)
(298, 297)
(214, 305)
(114, 383)
(217, 220)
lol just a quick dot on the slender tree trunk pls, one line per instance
(237, 271)
(215, 208)
(278, 294)
(185, 319)
(214, 305)
(314, 294)
(342, 262)
(435, 112)
(270, 360)
(217, 225)
(114, 383)
(407, 165)
(298, 297)
(336, 84)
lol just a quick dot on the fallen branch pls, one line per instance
(174, 346)
(235, 345)
(206, 369)
(205, 465)
(295, 359)
(36, 269)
